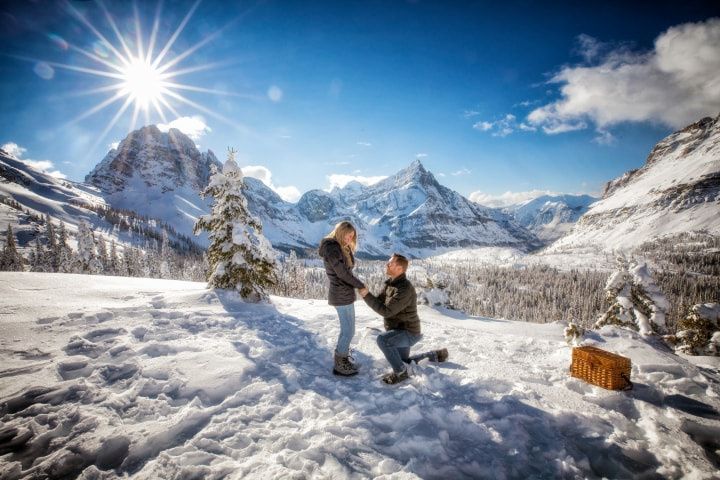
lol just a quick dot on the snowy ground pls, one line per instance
(104, 377)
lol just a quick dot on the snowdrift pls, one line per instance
(107, 376)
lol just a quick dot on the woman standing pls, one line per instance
(337, 251)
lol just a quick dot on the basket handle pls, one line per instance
(629, 385)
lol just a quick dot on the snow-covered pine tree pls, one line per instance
(166, 257)
(132, 263)
(39, 257)
(11, 260)
(102, 254)
(113, 260)
(65, 255)
(52, 246)
(636, 301)
(296, 277)
(699, 331)
(87, 258)
(239, 255)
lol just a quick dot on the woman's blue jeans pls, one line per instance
(395, 345)
(346, 313)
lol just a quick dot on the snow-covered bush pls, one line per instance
(573, 333)
(636, 301)
(434, 293)
(240, 256)
(699, 332)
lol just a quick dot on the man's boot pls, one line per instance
(343, 366)
(441, 355)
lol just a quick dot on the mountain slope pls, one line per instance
(158, 174)
(165, 379)
(550, 216)
(676, 191)
(27, 194)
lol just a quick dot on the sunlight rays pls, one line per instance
(140, 73)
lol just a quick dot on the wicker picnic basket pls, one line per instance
(601, 368)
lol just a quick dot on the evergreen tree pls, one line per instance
(65, 256)
(102, 254)
(87, 258)
(240, 256)
(113, 261)
(296, 277)
(166, 257)
(38, 257)
(11, 260)
(52, 253)
(699, 331)
(636, 301)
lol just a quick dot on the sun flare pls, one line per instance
(142, 76)
(143, 83)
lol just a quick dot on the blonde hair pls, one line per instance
(338, 234)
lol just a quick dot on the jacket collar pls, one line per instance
(396, 280)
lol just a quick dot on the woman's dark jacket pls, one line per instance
(342, 281)
(397, 304)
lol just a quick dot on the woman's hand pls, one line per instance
(363, 291)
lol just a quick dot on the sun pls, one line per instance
(141, 76)
(142, 83)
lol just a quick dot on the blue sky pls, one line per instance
(500, 100)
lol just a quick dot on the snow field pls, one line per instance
(109, 376)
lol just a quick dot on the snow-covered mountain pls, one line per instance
(550, 216)
(27, 194)
(676, 191)
(161, 174)
(408, 212)
(158, 174)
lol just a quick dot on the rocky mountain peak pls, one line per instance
(163, 160)
(678, 145)
(414, 174)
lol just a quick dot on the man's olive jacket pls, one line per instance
(397, 304)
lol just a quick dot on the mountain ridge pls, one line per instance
(409, 211)
(676, 191)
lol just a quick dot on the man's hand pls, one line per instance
(363, 291)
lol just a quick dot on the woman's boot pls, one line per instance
(343, 366)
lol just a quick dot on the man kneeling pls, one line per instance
(397, 304)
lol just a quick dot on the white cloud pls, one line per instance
(339, 180)
(45, 166)
(507, 198)
(288, 193)
(364, 144)
(114, 145)
(462, 171)
(503, 127)
(604, 137)
(14, 149)
(470, 113)
(275, 93)
(483, 126)
(194, 127)
(421, 155)
(589, 47)
(676, 83)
